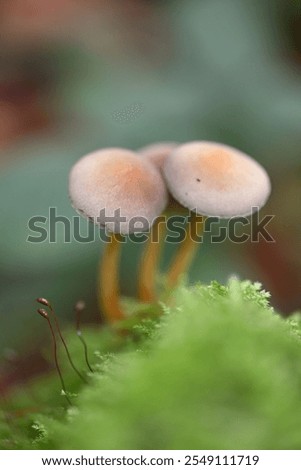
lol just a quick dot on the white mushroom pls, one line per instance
(158, 152)
(212, 179)
(216, 180)
(111, 180)
(124, 193)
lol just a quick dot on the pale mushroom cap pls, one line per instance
(157, 153)
(216, 180)
(117, 179)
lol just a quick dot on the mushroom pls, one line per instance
(118, 190)
(158, 152)
(155, 154)
(212, 179)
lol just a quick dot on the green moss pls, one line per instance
(219, 370)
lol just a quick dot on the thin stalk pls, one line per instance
(108, 287)
(57, 362)
(187, 250)
(150, 261)
(80, 306)
(65, 346)
(45, 315)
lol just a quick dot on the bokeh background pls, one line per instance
(77, 75)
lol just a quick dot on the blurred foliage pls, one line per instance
(219, 369)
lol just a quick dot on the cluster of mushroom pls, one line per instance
(115, 187)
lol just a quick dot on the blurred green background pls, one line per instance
(77, 75)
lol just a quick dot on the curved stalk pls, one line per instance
(187, 250)
(108, 287)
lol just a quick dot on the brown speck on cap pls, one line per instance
(216, 180)
(117, 179)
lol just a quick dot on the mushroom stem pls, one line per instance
(108, 288)
(187, 250)
(150, 261)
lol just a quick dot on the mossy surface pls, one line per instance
(219, 369)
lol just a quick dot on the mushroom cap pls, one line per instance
(158, 152)
(216, 180)
(116, 179)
